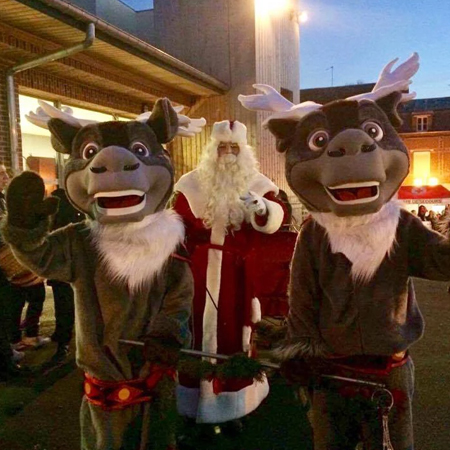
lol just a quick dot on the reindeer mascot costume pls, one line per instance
(353, 310)
(126, 264)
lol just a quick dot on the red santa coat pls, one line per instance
(224, 308)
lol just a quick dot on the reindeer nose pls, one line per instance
(366, 148)
(114, 159)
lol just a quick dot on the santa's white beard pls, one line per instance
(225, 180)
(226, 162)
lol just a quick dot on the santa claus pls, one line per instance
(225, 204)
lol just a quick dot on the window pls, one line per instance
(421, 167)
(422, 123)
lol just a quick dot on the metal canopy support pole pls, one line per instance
(10, 89)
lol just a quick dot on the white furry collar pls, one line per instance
(134, 253)
(364, 240)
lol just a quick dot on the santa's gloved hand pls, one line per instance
(302, 371)
(254, 203)
(26, 203)
(162, 350)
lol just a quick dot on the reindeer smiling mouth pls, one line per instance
(354, 193)
(120, 203)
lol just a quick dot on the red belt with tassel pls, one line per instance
(114, 395)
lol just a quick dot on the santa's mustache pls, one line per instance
(227, 160)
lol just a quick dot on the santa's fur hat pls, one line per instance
(229, 131)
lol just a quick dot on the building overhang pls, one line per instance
(117, 61)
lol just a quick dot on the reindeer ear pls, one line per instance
(389, 104)
(62, 135)
(283, 130)
(163, 121)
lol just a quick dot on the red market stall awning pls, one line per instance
(424, 194)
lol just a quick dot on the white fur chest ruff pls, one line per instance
(364, 240)
(134, 253)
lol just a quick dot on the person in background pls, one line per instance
(431, 217)
(422, 214)
(27, 289)
(23, 287)
(8, 357)
(62, 292)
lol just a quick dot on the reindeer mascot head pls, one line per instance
(126, 262)
(353, 310)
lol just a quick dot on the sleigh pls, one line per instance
(267, 268)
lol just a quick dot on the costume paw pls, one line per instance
(162, 350)
(25, 201)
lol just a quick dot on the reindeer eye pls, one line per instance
(90, 150)
(318, 140)
(139, 149)
(373, 130)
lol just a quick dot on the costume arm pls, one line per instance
(304, 338)
(47, 255)
(428, 251)
(274, 217)
(172, 321)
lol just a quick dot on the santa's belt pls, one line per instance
(113, 395)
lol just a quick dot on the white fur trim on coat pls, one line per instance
(246, 338)
(207, 407)
(364, 240)
(134, 253)
(275, 216)
(256, 310)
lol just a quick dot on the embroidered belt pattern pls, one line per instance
(114, 395)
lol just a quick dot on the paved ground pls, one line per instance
(44, 415)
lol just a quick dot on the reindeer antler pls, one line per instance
(187, 127)
(272, 100)
(388, 81)
(397, 80)
(45, 112)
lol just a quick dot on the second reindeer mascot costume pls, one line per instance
(353, 310)
(125, 263)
